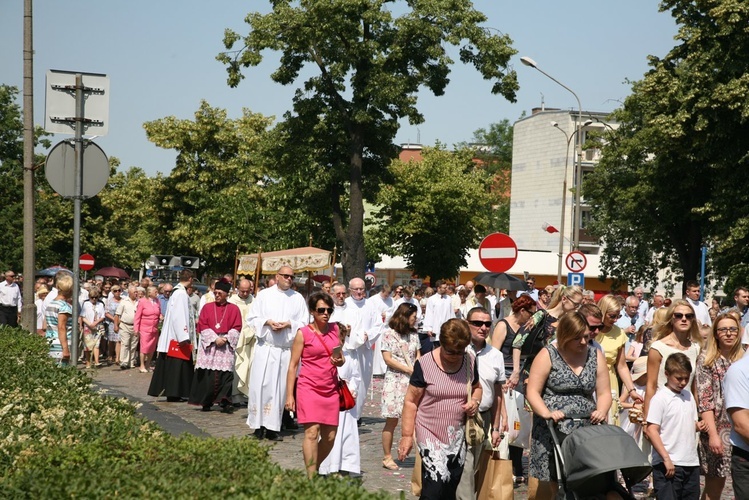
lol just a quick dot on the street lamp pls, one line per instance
(564, 196)
(579, 147)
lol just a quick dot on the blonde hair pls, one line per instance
(666, 328)
(564, 291)
(712, 351)
(609, 303)
(64, 285)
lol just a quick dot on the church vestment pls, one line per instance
(172, 376)
(214, 367)
(267, 395)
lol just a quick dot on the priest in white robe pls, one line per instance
(365, 327)
(276, 315)
(383, 302)
(245, 351)
(173, 375)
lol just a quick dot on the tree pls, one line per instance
(214, 201)
(11, 177)
(433, 212)
(672, 176)
(368, 65)
(493, 150)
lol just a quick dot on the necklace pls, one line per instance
(215, 316)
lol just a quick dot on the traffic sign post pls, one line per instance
(576, 279)
(576, 261)
(86, 262)
(498, 252)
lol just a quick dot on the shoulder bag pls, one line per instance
(474, 425)
(346, 400)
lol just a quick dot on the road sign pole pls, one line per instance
(79, 116)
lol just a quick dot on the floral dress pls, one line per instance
(710, 389)
(568, 393)
(395, 383)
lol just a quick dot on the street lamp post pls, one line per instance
(579, 148)
(569, 138)
(564, 201)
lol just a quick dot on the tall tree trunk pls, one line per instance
(354, 256)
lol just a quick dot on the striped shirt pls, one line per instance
(440, 419)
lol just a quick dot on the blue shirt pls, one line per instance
(736, 391)
(163, 301)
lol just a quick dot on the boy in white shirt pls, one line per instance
(672, 427)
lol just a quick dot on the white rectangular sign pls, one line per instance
(59, 109)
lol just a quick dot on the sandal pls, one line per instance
(142, 370)
(390, 464)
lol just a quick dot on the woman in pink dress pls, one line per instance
(146, 326)
(318, 348)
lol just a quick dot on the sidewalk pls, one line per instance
(179, 418)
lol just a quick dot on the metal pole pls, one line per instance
(578, 171)
(79, 115)
(564, 205)
(28, 312)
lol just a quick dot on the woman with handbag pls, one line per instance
(146, 325)
(317, 402)
(436, 408)
(400, 350)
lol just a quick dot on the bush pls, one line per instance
(60, 439)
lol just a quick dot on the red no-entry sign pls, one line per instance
(86, 262)
(498, 252)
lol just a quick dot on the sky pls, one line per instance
(160, 57)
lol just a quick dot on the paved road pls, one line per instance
(179, 418)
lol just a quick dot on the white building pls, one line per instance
(543, 143)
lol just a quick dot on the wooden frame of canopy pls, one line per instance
(303, 259)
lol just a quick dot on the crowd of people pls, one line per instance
(670, 371)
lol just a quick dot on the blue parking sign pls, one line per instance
(576, 279)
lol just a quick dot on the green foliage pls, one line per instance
(433, 212)
(59, 437)
(213, 201)
(368, 66)
(672, 177)
(493, 150)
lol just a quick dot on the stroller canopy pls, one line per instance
(591, 452)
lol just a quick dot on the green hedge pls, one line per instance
(61, 439)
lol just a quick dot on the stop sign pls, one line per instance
(86, 262)
(498, 252)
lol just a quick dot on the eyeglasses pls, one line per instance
(723, 331)
(479, 324)
(595, 328)
(323, 310)
(576, 304)
(287, 276)
(453, 353)
(688, 316)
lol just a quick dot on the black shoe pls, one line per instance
(272, 436)
(206, 408)
(175, 399)
(358, 423)
(259, 433)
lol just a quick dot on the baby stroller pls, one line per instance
(588, 458)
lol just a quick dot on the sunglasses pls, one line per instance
(323, 310)
(689, 316)
(479, 324)
(612, 316)
(595, 328)
(411, 307)
(287, 276)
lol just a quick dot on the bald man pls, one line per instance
(365, 327)
(245, 350)
(276, 315)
